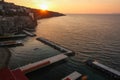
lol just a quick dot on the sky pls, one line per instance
(74, 6)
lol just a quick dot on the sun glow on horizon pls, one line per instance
(44, 6)
(73, 6)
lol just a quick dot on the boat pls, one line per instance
(105, 69)
(73, 76)
(10, 43)
(13, 36)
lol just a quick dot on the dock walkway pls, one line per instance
(57, 46)
(40, 64)
(29, 33)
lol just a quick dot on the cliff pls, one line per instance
(40, 14)
(14, 18)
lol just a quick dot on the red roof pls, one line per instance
(67, 79)
(19, 75)
(7, 74)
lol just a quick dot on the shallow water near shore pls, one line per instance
(90, 36)
(31, 52)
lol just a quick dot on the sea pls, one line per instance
(91, 36)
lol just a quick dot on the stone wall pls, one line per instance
(4, 57)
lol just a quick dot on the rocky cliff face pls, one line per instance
(13, 18)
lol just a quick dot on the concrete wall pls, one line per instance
(4, 57)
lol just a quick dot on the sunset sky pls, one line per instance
(73, 6)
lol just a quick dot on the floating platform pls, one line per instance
(40, 64)
(74, 76)
(57, 46)
(109, 71)
(13, 36)
(29, 33)
(11, 43)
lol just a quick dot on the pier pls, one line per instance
(13, 36)
(57, 46)
(73, 76)
(43, 63)
(29, 33)
(107, 70)
(11, 43)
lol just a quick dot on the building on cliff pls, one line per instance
(13, 18)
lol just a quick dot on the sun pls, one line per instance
(43, 7)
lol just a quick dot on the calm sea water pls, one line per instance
(90, 36)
